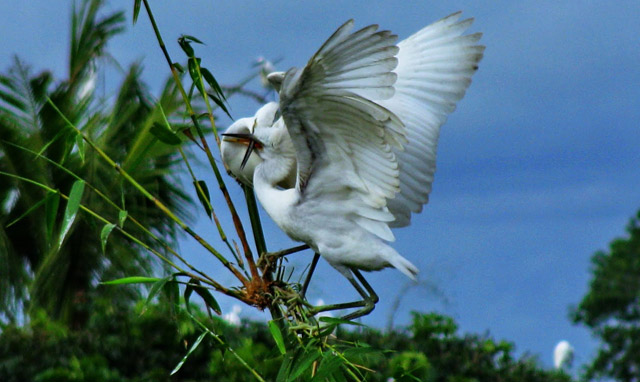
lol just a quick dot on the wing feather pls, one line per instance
(344, 141)
(435, 66)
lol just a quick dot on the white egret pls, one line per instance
(563, 355)
(358, 126)
(233, 154)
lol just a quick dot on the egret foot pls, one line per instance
(367, 304)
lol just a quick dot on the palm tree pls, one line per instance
(36, 273)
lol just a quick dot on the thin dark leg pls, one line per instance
(312, 268)
(367, 304)
(372, 294)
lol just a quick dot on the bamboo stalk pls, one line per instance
(236, 219)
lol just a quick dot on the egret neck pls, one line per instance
(275, 201)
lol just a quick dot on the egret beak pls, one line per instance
(245, 139)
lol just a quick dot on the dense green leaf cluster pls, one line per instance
(121, 344)
(612, 308)
(51, 253)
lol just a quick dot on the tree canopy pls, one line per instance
(611, 308)
(121, 343)
(44, 266)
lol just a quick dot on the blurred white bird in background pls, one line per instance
(357, 129)
(563, 355)
(266, 68)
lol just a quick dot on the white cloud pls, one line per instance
(233, 317)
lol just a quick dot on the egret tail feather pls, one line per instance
(404, 266)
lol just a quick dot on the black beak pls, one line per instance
(244, 137)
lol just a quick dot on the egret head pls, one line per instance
(250, 141)
(233, 150)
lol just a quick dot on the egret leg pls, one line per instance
(372, 293)
(367, 304)
(369, 299)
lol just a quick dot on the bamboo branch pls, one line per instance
(207, 280)
(152, 198)
(236, 219)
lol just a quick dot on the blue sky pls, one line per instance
(537, 169)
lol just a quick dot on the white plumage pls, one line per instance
(358, 130)
(563, 355)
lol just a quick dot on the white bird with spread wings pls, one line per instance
(350, 149)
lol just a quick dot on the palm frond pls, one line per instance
(62, 279)
(21, 95)
(90, 33)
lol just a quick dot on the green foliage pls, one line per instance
(51, 252)
(611, 309)
(432, 350)
(122, 343)
(411, 366)
(58, 255)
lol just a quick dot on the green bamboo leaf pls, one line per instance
(122, 217)
(165, 134)
(51, 205)
(220, 104)
(178, 67)
(339, 377)
(81, 147)
(329, 365)
(132, 280)
(73, 204)
(208, 299)
(136, 10)
(104, 235)
(172, 292)
(211, 80)
(205, 199)
(155, 288)
(31, 209)
(191, 350)
(194, 285)
(285, 367)
(277, 336)
(304, 363)
(191, 38)
(192, 65)
(186, 46)
(188, 290)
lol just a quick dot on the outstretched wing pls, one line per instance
(435, 66)
(343, 140)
